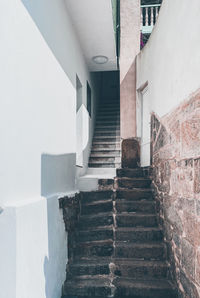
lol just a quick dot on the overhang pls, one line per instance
(93, 23)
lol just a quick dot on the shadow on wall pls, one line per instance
(57, 173)
(57, 177)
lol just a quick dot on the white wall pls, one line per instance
(170, 60)
(39, 59)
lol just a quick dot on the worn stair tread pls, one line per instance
(138, 229)
(101, 214)
(96, 242)
(94, 203)
(80, 286)
(101, 162)
(135, 214)
(112, 155)
(148, 244)
(144, 284)
(107, 143)
(133, 178)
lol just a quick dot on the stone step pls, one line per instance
(130, 183)
(139, 234)
(101, 248)
(86, 287)
(143, 206)
(95, 220)
(97, 207)
(146, 270)
(146, 251)
(135, 269)
(93, 196)
(134, 194)
(90, 267)
(95, 234)
(104, 165)
(105, 159)
(105, 153)
(136, 220)
(129, 288)
(133, 173)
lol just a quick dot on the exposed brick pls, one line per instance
(197, 175)
(188, 257)
(176, 184)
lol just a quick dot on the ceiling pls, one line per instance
(93, 22)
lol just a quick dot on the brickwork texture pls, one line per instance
(175, 151)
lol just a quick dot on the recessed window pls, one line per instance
(89, 99)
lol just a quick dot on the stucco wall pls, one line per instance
(40, 56)
(170, 60)
(129, 48)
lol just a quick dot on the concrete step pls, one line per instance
(136, 220)
(101, 248)
(104, 159)
(107, 128)
(94, 196)
(146, 251)
(130, 183)
(108, 123)
(95, 234)
(110, 111)
(106, 146)
(129, 288)
(132, 173)
(139, 234)
(105, 153)
(88, 286)
(134, 194)
(140, 269)
(96, 220)
(143, 206)
(107, 133)
(104, 165)
(106, 139)
(97, 207)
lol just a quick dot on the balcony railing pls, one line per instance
(149, 15)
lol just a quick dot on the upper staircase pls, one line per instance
(105, 151)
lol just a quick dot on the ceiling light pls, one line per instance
(100, 59)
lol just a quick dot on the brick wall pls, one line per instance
(176, 183)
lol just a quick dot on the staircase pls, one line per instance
(119, 250)
(105, 151)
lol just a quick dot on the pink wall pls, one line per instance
(130, 47)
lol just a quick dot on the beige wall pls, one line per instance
(130, 46)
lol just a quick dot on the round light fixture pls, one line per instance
(100, 59)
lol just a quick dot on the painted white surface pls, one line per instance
(41, 259)
(93, 20)
(170, 60)
(40, 56)
(145, 129)
(89, 181)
